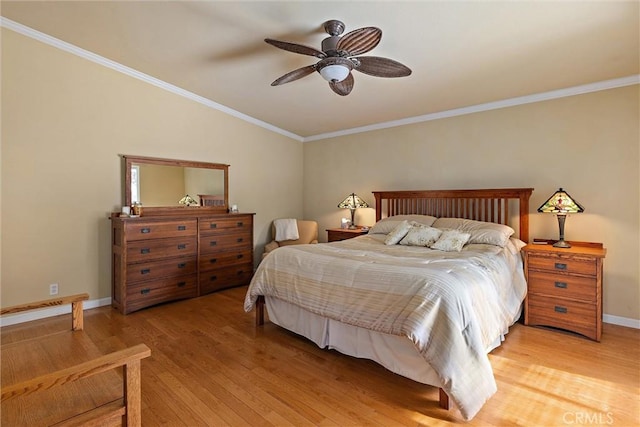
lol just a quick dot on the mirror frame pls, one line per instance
(174, 210)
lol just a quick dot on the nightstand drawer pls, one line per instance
(562, 285)
(560, 263)
(570, 315)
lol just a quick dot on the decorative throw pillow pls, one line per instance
(397, 233)
(386, 225)
(481, 232)
(451, 240)
(421, 235)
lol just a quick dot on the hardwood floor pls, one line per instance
(210, 365)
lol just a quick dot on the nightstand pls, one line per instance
(335, 234)
(565, 287)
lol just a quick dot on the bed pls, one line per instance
(431, 315)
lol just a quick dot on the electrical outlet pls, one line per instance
(53, 289)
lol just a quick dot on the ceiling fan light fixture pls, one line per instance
(335, 73)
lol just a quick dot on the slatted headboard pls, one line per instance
(490, 205)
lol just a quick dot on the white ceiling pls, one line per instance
(462, 53)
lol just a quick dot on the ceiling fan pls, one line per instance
(338, 57)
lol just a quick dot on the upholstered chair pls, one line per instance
(307, 232)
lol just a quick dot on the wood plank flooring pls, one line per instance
(210, 365)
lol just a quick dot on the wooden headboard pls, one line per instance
(490, 205)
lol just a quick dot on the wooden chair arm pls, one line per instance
(77, 317)
(127, 356)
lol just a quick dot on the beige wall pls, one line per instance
(65, 121)
(587, 144)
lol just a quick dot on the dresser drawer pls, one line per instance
(157, 269)
(570, 315)
(147, 250)
(562, 285)
(241, 223)
(160, 229)
(225, 242)
(225, 278)
(215, 261)
(559, 263)
(150, 293)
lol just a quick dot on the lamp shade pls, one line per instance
(352, 201)
(561, 204)
(188, 201)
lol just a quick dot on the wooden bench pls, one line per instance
(62, 378)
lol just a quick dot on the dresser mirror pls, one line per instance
(161, 186)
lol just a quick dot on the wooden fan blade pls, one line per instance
(294, 75)
(381, 67)
(296, 48)
(360, 41)
(344, 87)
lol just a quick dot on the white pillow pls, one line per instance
(481, 232)
(421, 235)
(451, 240)
(397, 233)
(386, 225)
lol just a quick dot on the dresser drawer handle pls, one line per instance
(213, 278)
(213, 260)
(239, 256)
(182, 227)
(145, 230)
(562, 285)
(239, 239)
(213, 225)
(182, 265)
(213, 243)
(182, 246)
(239, 223)
(240, 272)
(561, 266)
(182, 284)
(145, 251)
(145, 271)
(145, 291)
(559, 309)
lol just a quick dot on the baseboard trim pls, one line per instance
(14, 319)
(621, 321)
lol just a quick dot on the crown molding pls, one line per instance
(75, 50)
(506, 103)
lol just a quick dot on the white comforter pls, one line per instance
(452, 305)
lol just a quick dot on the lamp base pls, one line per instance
(561, 244)
(352, 227)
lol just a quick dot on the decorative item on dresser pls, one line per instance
(352, 202)
(337, 234)
(565, 287)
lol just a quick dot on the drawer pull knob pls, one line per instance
(182, 265)
(182, 246)
(145, 291)
(145, 271)
(239, 239)
(145, 251)
(213, 260)
(182, 227)
(240, 272)
(182, 284)
(239, 256)
(559, 309)
(239, 223)
(562, 285)
(561, 266)
(213, 278)
(213, 243)
(213, 225)
(145, 230)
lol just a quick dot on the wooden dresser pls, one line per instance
(565, 287)
(158, 259)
